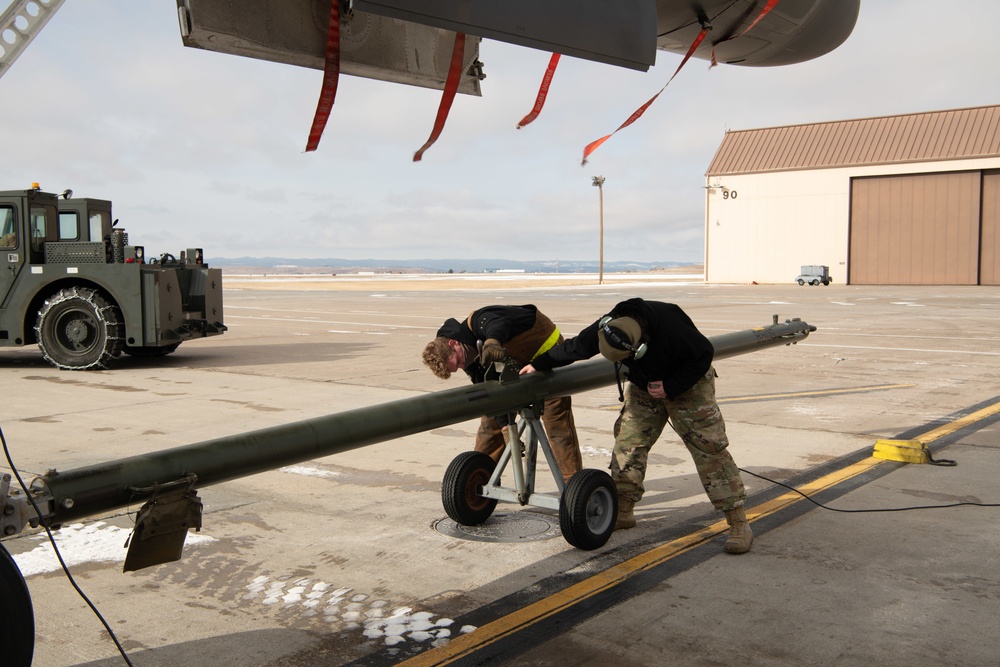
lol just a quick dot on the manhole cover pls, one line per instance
(504, 527)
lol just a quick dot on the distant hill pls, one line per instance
(336, 265)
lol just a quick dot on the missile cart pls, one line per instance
(587, 504)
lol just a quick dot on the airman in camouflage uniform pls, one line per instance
(668, 364)
(696, 418)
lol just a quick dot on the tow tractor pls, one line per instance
(71, 282)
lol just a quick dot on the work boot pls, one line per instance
(625, 518)
(740, 536)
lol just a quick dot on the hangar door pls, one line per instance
(917, 229)
(989, 271)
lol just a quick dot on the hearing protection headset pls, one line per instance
(620, 342)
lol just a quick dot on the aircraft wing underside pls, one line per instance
(410, 41)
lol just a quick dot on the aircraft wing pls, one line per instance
(410, 41)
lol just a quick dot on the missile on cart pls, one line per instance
(166, 480)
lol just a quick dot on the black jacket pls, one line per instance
(499, 322)
(677, 353)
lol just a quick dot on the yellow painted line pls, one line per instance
(487, 634)
(951, 427)
(464, 645)
(460, 647)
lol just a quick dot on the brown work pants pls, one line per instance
(557, 413)
(557, 418)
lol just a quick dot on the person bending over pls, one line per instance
(670, 380)
(494, 333)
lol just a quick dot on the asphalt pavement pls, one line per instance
(350, 559)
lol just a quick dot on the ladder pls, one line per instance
(21, 23)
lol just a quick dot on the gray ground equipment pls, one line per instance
(587, 505)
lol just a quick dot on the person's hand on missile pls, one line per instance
(492, 352)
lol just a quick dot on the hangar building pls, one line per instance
(896, 200)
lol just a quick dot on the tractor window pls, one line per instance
(8, 239)
(69, 226)
(40, 229)
(100, 225)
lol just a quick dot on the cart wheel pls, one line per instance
(588, 509)
(17, 632)
(801, 282)
(463, 482)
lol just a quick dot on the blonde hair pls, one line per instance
(436, 356)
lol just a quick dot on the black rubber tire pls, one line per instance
(150, 350)
(79, 329)
(588, 509)
(463, 481)
(17, 631)
(801, 282)
(814, 282)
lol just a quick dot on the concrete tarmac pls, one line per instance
(351, 560)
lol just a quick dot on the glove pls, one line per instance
(492, 352)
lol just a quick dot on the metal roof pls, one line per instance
(919, 137)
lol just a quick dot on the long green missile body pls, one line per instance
(98, 488)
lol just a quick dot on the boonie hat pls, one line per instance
(617, 338)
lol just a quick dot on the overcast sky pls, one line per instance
(197, 148)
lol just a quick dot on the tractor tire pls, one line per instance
(17, 632)
(463, 481)
(79, 329)
(150, 350)
(588, 509)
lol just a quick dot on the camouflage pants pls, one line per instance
(695, 417)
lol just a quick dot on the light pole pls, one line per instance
(599, 182)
